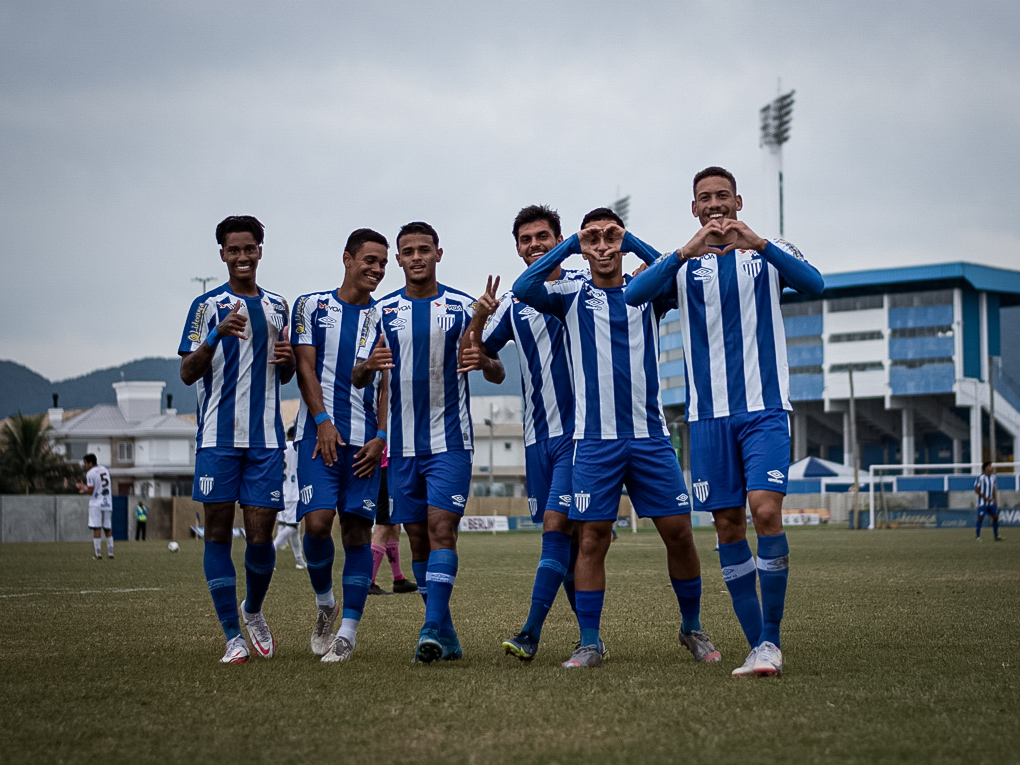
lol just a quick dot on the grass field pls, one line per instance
(900, 646)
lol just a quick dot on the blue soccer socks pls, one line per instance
(439, 578)
(773, 570)
(259, 562)
(589, 614)
(738, 571)
(420, 569)
(568, 580)
(222, 579)
(552, 568)
(977, 528)
(319, 555)
(688, 596)
(357, 577)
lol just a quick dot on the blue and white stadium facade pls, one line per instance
(922, 342)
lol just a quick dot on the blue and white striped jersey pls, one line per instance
(429, 400)
(733, 333)
(614, 348)
(986, 485)
(545, 363)
(334, 328)
(239, 397)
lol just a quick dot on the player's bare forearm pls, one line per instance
(361, 375)
(194, 365)
(492, 368)
(367, 459)
(307, 380)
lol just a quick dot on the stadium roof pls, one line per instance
(1004, 282)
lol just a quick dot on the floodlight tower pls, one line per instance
(776, 117)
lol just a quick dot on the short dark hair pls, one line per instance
(240, 223)
(361, 237)
(985, 465)
(532, 213)
(418, 227)
(602, 213)
(90, 458)
(715, 171)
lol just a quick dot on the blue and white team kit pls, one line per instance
(429, 425)
(735, 365)
(620, 431)
(548, 397)
(986, 485)
(335, 329)
(240, 437)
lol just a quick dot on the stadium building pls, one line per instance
(934, 360)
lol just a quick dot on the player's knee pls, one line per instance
(319, 523)
(355, 531)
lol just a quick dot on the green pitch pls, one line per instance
(900, 646)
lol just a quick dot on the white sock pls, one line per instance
(283, 533)
(327, 599)
(109, 545)
(349, 629)
(98, 544)
(296, 547)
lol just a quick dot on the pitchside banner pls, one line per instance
(946, 519)
(484, 523)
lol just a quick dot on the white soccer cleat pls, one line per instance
(322, 633)
(769, 660)
(747, 668)
(339, 650)
(237, 651)
(261, 638)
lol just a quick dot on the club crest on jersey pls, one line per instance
(277, 320)
(306, 493)
(701, 490)
(326, 322)
(445, 321)
(581, 501)
(703, 274)
(205, 484)
(752, 267)
(458, 500)
(776, 476)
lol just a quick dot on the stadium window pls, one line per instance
(857, 366)
(674, 355)
(918, 363)
(800, 342)
(805, 308)
(910, 332)
(855, 337)
(813, 369)
(921, 299)
(858, 303)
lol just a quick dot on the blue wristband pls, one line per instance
(212, 338)
(321, 417)
(381, 434)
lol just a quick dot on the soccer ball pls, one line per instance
(173, 547)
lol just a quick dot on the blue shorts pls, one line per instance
(334, 487)
(987, 509)
(550, 467)
(252, 477)
(440, 480)
(646, 466)
(733, 455)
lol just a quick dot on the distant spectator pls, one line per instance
(141, 521)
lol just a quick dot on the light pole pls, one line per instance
(776, 117)
(204, 280)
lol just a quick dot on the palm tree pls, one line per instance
(27, 463)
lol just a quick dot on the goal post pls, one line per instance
(946, 471)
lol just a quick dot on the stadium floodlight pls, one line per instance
(776, 118)
(204, 280)
(622, 208)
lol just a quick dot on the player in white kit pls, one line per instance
(287, 525)
(97, 483)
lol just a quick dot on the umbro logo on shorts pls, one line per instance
(565, 500)
(701, 490)
(752, 267)
(274, 494)
(205, 483)
(368, 504)
(683, 499)
(306, 493)
(703, 274)
(458, 500)
(446, 321)
(582, 500)
(776, 476)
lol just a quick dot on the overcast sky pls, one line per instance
(128, 130)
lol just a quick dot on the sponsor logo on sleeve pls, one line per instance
(196, 323)
(458, 500)
(776, 476)
(793, 250)
(299, 311)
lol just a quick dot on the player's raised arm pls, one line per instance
(196, 362)
(471, 354)
(656, 281)
(530, 287)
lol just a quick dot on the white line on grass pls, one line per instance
(113, 590)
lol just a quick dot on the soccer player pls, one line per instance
(386, 541)
(288, 528)
(97, 483)
(430, 448)
(620, 430)
(548, 416)
(235, 347)
(339, 441)
(728, 281)
(988, 497)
